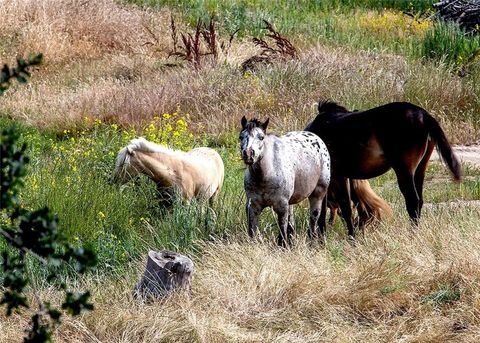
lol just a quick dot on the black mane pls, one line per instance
(253, 123)
(328, 106)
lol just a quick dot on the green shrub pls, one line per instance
(448, 43)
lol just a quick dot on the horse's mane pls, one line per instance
(328, 106)
(141, 144)
(253, 123)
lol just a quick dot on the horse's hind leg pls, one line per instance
(419, 176)
(333, 215)
(291, 221)
(318, 212)
(407, 187)
(345, 202)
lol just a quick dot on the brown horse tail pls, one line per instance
(443, 146)
(373, 205)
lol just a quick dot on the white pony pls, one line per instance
(282, 171)
(198, 173)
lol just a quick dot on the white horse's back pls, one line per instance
(198, 173)
(310, 161)
(210, 163)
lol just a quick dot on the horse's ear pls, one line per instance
(265, 124)
(244, 122)
(130, 150)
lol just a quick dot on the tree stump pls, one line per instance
(166, 271)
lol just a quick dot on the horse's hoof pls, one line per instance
(351, 239)
(283, 244)
(322, 241)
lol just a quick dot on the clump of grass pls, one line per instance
(65, 30)
(449, 43)
(216, 96)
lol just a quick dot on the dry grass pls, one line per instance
(131, 89)
(109, 61)
(394, 285)
(65, 30)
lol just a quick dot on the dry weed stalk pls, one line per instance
(282, 48)
(194, 48)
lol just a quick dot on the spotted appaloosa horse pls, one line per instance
(366, 144)
(282, 171)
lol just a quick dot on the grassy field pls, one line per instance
(108, 78)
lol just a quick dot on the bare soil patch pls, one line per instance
(467, 154)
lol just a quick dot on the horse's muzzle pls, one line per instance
(248, 157)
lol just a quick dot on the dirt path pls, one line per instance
(469, 154)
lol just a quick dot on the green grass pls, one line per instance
(122, 222)
(447, 42)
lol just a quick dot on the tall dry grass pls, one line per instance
(130, 90)
(65, 30)
(111, 61)
(394, 285)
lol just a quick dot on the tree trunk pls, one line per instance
(166, 271)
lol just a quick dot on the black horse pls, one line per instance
(366, 144)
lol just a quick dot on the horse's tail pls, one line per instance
(372, 204)
(443, 146)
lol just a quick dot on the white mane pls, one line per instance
(141, 144)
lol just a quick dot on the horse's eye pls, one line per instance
(261, 138)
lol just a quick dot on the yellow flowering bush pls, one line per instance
(169, 129)
(393, 23)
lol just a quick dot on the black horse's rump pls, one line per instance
(366, 144)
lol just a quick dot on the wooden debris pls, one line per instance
(464, 12)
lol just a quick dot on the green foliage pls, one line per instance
(36, 234)
(20, 72)
(71, 174)
(446, 293)
(290, 17)
(449, 43)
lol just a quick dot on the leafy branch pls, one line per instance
(20, 72)
(32, 233)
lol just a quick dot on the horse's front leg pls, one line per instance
(291, 220)
(285, 235)
(253, 215)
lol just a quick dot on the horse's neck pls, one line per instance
(160, 167)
